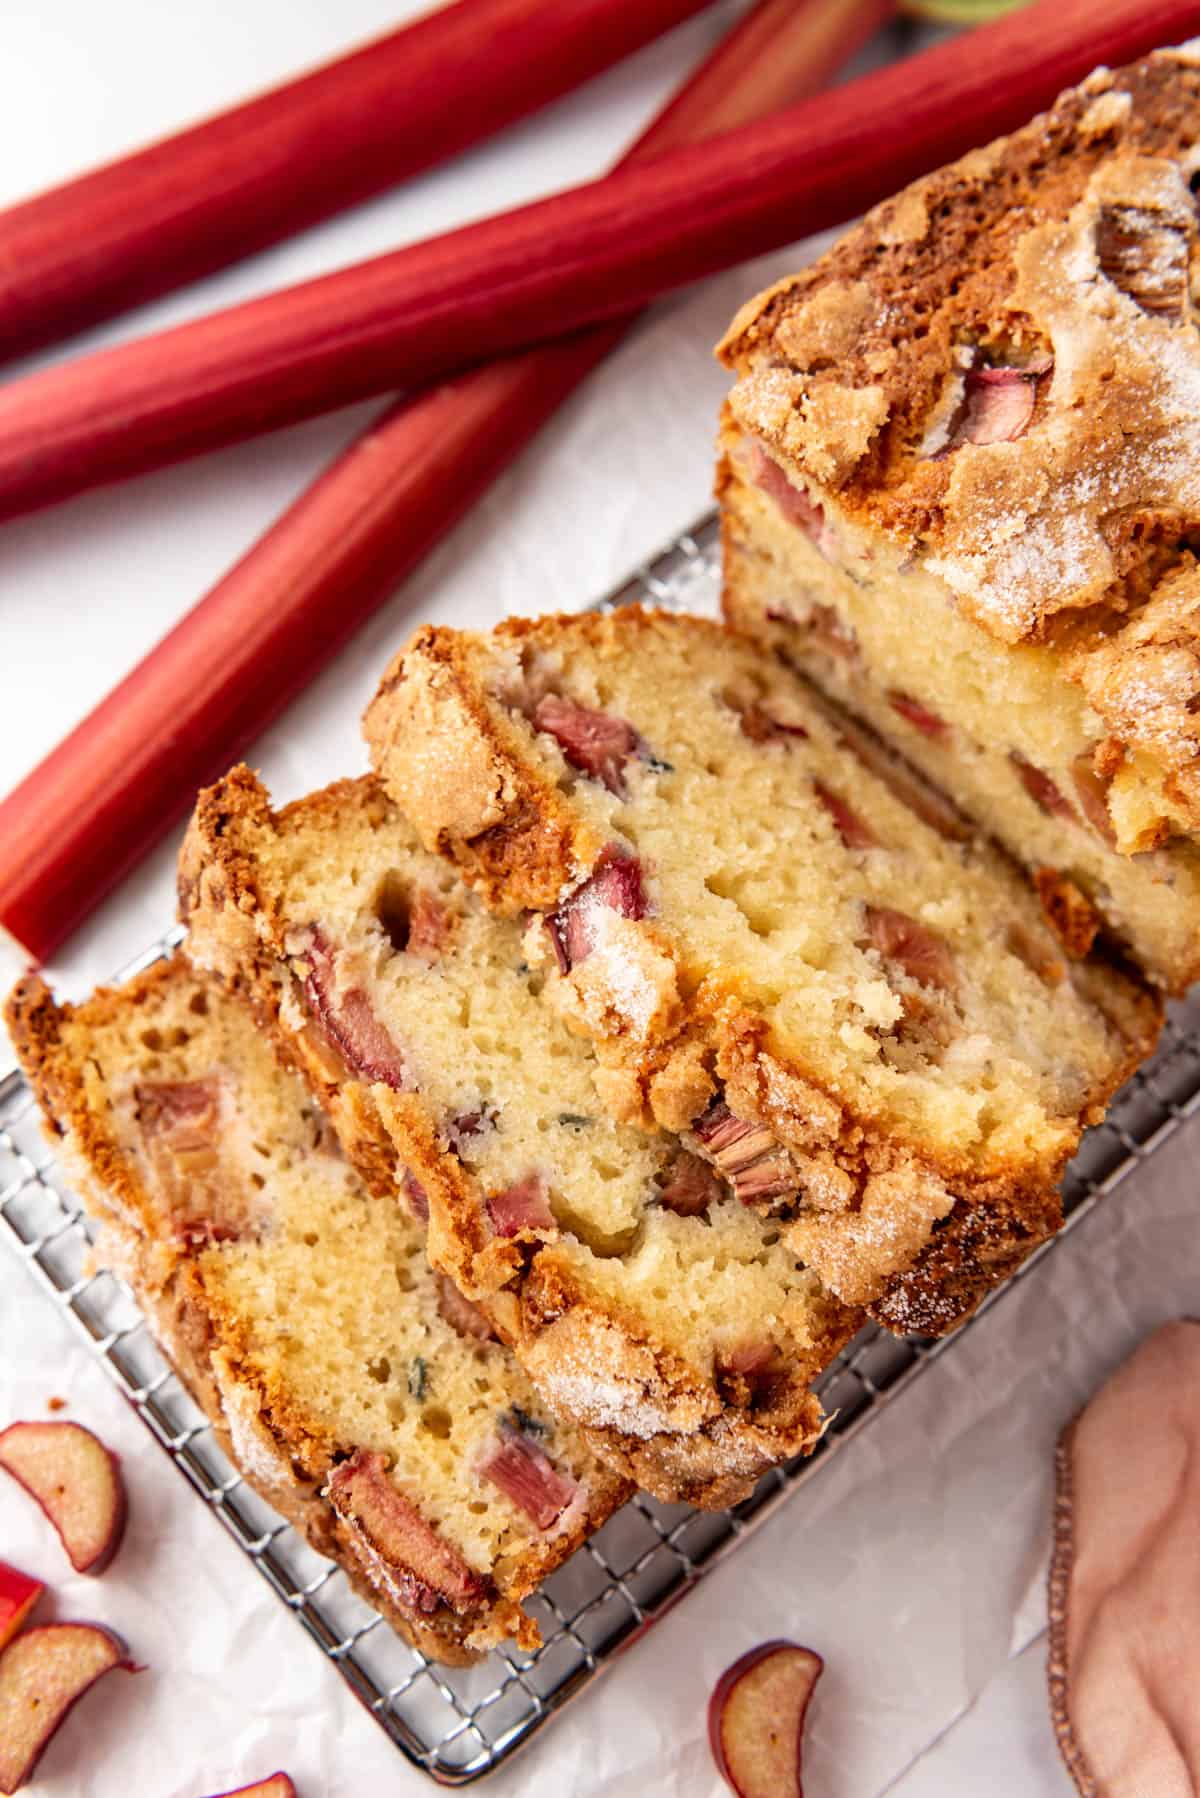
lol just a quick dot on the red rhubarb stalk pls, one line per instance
(546, 269)
(93, 808)
(282, 161)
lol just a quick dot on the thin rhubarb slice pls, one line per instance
(761, 727)
(180, 1122)
(750, 1357)
(77, 1482)
(429, 926)
(43, 1675)
(918, 715)
(277, 1785)
(526, 1474)
(755, 1369)
(756, 1720)
(467, 1129)
(183, 1113)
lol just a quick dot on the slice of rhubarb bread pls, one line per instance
(649, 1306)
(960, 483)
(355, 1389)
(850, 1007)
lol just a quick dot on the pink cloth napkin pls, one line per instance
(1124, 1663)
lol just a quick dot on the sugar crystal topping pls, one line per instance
(602, 1403)
(1121, 430)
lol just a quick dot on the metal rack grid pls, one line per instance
(459, 1724)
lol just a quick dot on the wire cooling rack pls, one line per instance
(459, 1724)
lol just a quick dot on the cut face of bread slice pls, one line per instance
(365, 1401)
(649, 1306)
(854, 1011)
(961, 484)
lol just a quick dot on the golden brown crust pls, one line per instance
(688, 1441)
(936, 1209)
(982, 1246)
(1068, 243)
(456, 771)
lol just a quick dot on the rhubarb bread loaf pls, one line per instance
(355, 1389)
(960, 482)
(854, 1010)
(668, 1321)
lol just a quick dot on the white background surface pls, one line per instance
(914, 1561)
